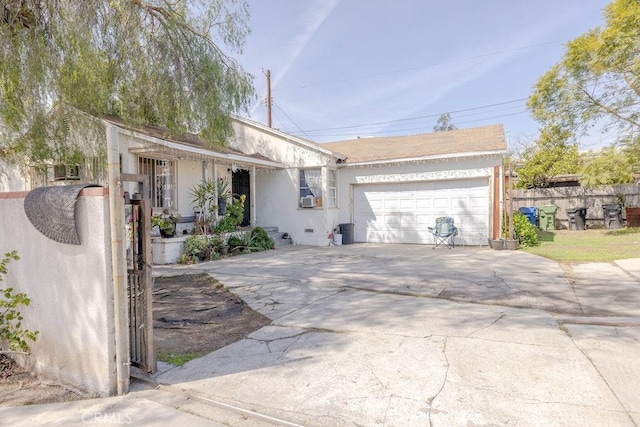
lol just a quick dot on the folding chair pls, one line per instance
(444, 232)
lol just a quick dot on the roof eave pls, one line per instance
(291, 138)
(426, 158)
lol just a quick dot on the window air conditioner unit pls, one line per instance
(66, 172)
(308, 202)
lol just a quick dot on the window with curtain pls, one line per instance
(310, 183)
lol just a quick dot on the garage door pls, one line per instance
(401, 213)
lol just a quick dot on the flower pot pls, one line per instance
(224, 250)
(222, 205)
(511, 244)
(497, 244)
(168, 233)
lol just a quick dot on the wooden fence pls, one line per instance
(579, 197)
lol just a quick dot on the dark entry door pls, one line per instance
(241, 184)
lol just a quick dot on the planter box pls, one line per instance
(167, 250)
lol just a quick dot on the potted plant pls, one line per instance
(166, 222)
(203, 196)
(223, 192)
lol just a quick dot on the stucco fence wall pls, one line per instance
(71, 293)
(578, 197)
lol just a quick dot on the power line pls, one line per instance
(284, 128)
(291, 120)
(424, 128)
(416, 118)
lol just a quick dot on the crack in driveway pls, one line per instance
(444, 380)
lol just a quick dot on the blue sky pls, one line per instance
(342, 69)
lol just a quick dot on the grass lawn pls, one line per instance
(588, 245)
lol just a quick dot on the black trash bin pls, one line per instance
(577, 218)
(612, 214)
(347, 231)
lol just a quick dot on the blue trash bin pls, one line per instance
(531, 213)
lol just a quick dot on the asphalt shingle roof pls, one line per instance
(473, 140)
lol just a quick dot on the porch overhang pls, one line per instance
(154, 146)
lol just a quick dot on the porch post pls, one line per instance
(252, 192)
(495, 209)
(215, 180)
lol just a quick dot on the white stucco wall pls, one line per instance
(276, 146)
(188, 174)
(277, 191)
(71, 293)
(277, 206)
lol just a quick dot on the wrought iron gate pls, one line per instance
(140, 284)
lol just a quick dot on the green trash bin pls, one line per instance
(547, 217)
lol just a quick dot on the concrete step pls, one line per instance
(271, 229)
(276, 235)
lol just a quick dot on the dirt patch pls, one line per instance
(19, 387)
(195, 315)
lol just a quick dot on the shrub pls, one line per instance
(232, 217)
(200, 248)
(526, 232)
(11, 330)
(261, 240)
(234, 242)
(195, 247)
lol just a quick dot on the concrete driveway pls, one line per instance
(404, 335)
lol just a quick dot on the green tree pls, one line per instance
(551, 154)
(444, 123)
(612, 166)
(158, 62)
(597, 81)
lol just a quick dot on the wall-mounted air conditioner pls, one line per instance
(308, 202)
(66, 172)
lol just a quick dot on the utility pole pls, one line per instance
(268, 74)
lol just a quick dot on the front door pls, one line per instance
(241, 184)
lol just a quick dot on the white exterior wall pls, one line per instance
(71, 291)
(188, 174)
(277, 192)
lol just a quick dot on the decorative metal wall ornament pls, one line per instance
(51, 210)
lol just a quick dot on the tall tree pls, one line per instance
(553, 153)
(444, 123)
(159, 62)
(610, 167)
(598, 80)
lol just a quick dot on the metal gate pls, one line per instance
(140, 284)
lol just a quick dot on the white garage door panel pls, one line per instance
(402, 213)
